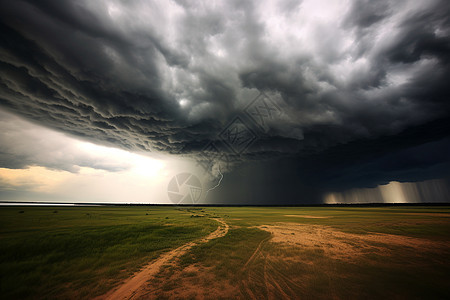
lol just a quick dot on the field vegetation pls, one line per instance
(80, 252)
(267, 253)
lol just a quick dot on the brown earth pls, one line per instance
(342, 245)
(264, 275)
(134, 286)
(267, 274)
(307, 216)
(428, 214)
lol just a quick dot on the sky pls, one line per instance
(264, 102)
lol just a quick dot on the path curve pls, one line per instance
(256, 252)
(134, 286)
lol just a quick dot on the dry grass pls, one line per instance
(307, 216)
(346, 246)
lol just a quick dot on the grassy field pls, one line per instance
(80, 252)
(410, 259)
(268, 253)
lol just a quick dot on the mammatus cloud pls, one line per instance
(169, 76)
(23, 144)
(39, 164)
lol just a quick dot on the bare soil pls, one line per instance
(307, 216)
(134, 287)
(342, 245)
(264, 275)
(428, 214)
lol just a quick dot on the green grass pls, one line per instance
(81, 252)
(390, 220)
(400, 273)
(227, 254)
(78, 252)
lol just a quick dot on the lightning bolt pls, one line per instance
(220, 180)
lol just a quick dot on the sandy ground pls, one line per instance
(428, 214)
(263, 275)
(264, 271)
(342, 245)
(307, 216)
(134, 286)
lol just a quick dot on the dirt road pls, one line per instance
(133, 287)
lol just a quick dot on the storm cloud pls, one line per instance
(23, 144)
(361, 87)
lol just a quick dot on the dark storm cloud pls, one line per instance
(417, 154)
(169, 76)
(23, 144)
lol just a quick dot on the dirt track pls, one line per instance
(133, 287)
(266, 273)
(344, 246)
